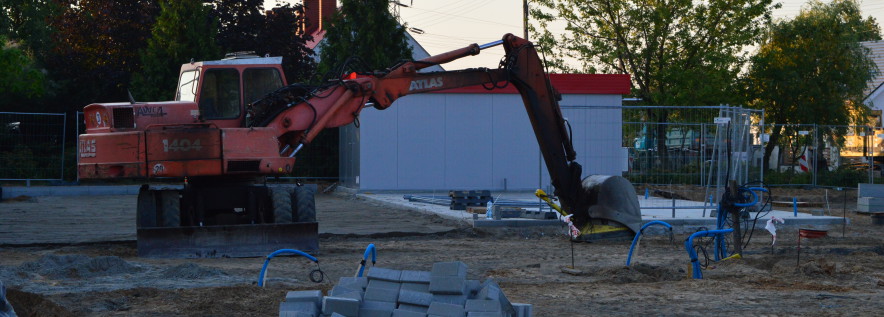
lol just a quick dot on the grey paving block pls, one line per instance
(368, 312)
(373, 304)
(407, 313)
(483, 305)
(379, 273)
(473, 287)
(451, 299)
(414, 308)
(523, 310)
(490, 290)
(415, 298)
(305, 307)
(341, 305)
(353, 282)
(445, 310)
(314, 296)
(384, 284)
(381, 294)
(338, 315)
(415, 277)
(456, 268)
(417, 287)
(357, 295)
(295, 314)
(338, 290)
(484, 314)
(448, 284)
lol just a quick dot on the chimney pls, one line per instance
(318, 13)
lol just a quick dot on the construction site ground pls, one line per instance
(75, 256)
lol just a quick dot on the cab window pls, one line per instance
(258, 82)
(220, 97)
(187, 86)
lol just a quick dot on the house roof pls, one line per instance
(592, 84)
(876, 85)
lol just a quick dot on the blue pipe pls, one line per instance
(689, 246)
(278, 252)
(639, 233)
(374, 255)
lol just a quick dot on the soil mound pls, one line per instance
(79, 266)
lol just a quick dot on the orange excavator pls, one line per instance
(235, 122)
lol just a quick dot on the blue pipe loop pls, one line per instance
(689, 246)
(370, 249)
(261, 276)
(639, 233)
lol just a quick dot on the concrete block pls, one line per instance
(483, 305)
(384, 284)
(407, 313)
(295, 314)
(417, 287)
(314, 296)
(456, 268)
(523, 310)
(304, 308)
(446, 310)
(448, 284)
(451, 299)
(337, 315)
(871, 190)
(473, 287)
(353, 282)
(484, 314)
(414, 308)
(357, 295)
(381, 294)
(415, 298)
(415, 277)
(379, 273)
(372, 304)
(490, 290)
(338, 290)
(341, 305)
(368, 312)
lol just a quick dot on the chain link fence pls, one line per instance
(32, 146)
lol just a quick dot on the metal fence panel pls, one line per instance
(32, 146)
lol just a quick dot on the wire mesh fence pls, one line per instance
(32, 146)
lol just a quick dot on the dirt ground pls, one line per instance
(78, 259)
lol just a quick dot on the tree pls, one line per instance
(678, 52)
(812, 69)
(363, 28)
(246, 26)
(20, 80)
(184, 31)
(27, 22)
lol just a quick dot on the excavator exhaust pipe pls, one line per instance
(612, 207)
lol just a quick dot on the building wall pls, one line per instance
(447, 141)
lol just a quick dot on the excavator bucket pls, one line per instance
(227, 241)
(613, 208)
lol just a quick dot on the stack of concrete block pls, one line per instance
(445, 291)
(870, 198)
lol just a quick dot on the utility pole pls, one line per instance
(525, 17)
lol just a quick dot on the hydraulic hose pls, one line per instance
(639, 234)
(689, 246)
(262, 276)
(370, 249)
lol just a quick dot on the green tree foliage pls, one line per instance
(20, 80)
(96, 48)
(246, 26)
(678, 52)
(183, 31)
(812, 69)
(28, 22)
(363, 28)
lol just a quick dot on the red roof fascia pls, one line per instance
(594, 84)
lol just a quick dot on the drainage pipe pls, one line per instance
(689, 246)
(370, 249)
(263, 275)
(639, 234)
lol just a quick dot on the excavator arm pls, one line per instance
(299, 114)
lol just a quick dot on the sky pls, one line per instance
(452, 24)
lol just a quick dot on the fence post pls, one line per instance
(815, 167)
(64, 130)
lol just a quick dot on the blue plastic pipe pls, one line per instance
(370, 249)
(689, 246)
(278, 252)
(795, 206)
(638, 236)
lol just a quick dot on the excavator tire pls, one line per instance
(146, 208)
(305, 203)
(282, 204)
(170, 203)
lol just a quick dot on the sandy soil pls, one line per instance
(62, 271)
